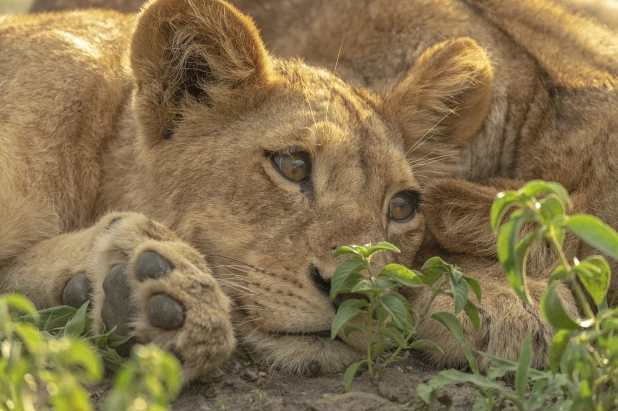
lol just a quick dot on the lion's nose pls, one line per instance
(319, 282)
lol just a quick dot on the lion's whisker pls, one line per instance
(420, 141)
(332, 83)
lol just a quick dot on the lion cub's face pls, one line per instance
(269, 166)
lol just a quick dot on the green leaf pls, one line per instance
(435, 268)
(348, 285)
(476, 379)
(75, 326)
(393, 333)
(402, 275)
(553, 205)
(473, 314)
(511, 258)
(21, 303)
(426, 345)
(350, 373)
(395, 304)
(460, 295)
(594, 274)
(558, 346)
(501, 204)
(172, 370)
(382, 245)
(554, 312)
(342, 273)
(512, 366)
(425, 391)
(348, 310)
(535, 187)
(351, 328)
(585, 396)
(380, 347)
(594, 232)
(456, 274)
(55, 317)
(81, 353)
(474, 284)
(559, 274)
(436, 264)
(346, 250)
(30, 336)
(452, 323)
(364, 287)
(494, 373)
(521, 376)
(384, 284)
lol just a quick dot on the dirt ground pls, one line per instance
(244, 386)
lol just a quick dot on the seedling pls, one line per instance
(384, 317)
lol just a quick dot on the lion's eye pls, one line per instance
(293, 166)
(403, 206)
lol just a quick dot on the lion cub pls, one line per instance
(206, 185)
(553, 115)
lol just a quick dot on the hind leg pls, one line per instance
(140, 278)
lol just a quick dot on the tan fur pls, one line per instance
(170, 123)
(552, 116)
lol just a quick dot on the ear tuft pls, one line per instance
(445, 96)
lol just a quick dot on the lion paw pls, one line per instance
(156, 288)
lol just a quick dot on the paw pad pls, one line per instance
(118, 310)
(77, 291)
(165, 312)
(151, 265)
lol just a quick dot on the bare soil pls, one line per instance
(242, 385)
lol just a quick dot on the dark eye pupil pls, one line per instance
(294, 166)
(403, 206)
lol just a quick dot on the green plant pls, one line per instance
(383, 316)
(260, 395)
(583, 359)
(150, 379)
(40, 373)
(49, 357)
(223, 403)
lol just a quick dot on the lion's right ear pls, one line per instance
(195, 51)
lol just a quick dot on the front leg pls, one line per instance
(141, 278)
(458, 216)
(505, 319)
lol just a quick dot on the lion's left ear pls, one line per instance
(445, 95)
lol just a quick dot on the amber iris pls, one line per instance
(403, 206)
(294, 166)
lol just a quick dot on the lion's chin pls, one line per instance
(301, 354)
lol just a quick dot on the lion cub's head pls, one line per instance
(266, 166)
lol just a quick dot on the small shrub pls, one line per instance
(383, 316)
